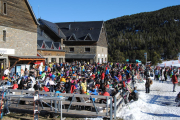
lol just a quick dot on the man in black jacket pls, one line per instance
(67, 86)
(36, 86)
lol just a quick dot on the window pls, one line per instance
(53, 59)
(102, 60)
(102, 29)
(4, 35)
(71, 49)
(87, 49)
(5, 8)
(46, 60)
(60, 60)
(105, 60)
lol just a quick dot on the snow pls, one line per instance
(159, 104)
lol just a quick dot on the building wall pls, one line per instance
(18, 16)
(52, 54)
(24, 42)
(81, 49)
(101, 54)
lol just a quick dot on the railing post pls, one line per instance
(59, 103)
(55, 104)
(51, 101)
(107, 106)
(115, 107)
(111, 108)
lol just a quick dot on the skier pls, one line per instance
(178, 99)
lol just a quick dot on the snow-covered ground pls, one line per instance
(159, 104)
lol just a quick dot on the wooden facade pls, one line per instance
(18, 15)
(51, 53)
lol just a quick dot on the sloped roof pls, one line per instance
(81, 29)
(53, 27)
(40, 43)
(57, 45)
(38, 47)
(49, 44)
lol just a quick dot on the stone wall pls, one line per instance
(81, 49)
(102, 54)
(24, 42)
(102, 39)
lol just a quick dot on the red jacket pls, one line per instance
(174, 79)
(106, 94)
(15, 86)
(102, 76)
(46, 89)
(72, 88)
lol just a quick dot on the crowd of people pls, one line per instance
(91, 79)
(80, 78)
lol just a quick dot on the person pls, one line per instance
(133, 95)
(178, 99)
(105, 93)
(67, 85)
(6, 72)
(84, 86)
(58, 91)
(26, 73)
(174, 81)
(22, 84)
(36, 86)
(15, 85)
(147, 85)
(51, 83)
(165, 74)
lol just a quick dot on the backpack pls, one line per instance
(151, 82)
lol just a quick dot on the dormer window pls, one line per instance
(52, 47)
(91, 28)
(43, 46)
(88, 37)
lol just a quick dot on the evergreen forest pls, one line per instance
(156, 33)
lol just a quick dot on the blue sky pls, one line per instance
(94, 10)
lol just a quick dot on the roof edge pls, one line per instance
(32, 13)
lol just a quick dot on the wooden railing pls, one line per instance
(74, 105)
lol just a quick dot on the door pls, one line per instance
(1, 68)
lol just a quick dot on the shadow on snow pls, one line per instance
(162, 115)
(162, 100)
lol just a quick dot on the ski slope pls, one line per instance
(159, 104)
